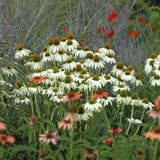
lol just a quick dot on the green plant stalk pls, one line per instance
(141, 120)
(106, 117)
(130, 122)
(155, 150)
(71, 143)
(37, 106)
(120, 123)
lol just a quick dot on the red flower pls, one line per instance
(99, 30)
(65, 29)
(107, 141)
(104, 31)
(6, 139)
(110, 34)
(112, 17)
(90, 154)
(116, 131)
(135, 34)
(71, 96)
(100, 94)
(37, 79)
(152, 28)
(32, 121)
(2, 126)
(142, 19)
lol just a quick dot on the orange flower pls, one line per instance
(135, 34)
(112, 17)
(142, 19)
(65, 124)
(90, 153)
(71, 96)
(32, 121)
(2, 126)
(155, 134)
(6, 139)
(107, 141)
(110, 34)
(100, 94)
(116, 131)
(157, 102)
(37, 79)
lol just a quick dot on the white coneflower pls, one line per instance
(88, 60)
(135, 100)
(34, 62)
(69, 65)
(136, 121)
(84, 115)
(97, 63)
(157, 60)
(79, 52)
(126, 76)
(70, 46)
(107, 78)
(68, 83)
(48, 82)
(44, 50)
(131, 69)
(107, 49)
(109, 59)
(81, 62)
(147, 104)
(93, 105)
(9, 70)
(38, 73)
(84, 87)
(79, 78)
(63, 41)
(122, 98)
(95, 82)
(52, 91)
(57, 98)
(118, 69)
(149, 66)
(21, 52)
(137, 81)
(155, 80)
(60, 56)
(55, 73)
(71, 37)
(22, 100)
(34, 88)
(55, 45)
(48, 57)
(101, 54)
(106, 100)
(121, 87)
(157, 70)
(153, 56)
(87, 50)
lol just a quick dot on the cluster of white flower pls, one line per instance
(64, 65)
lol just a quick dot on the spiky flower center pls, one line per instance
(32, 84)
(86, 48)
(20, 46)
(55, 89)
(99, 92)
(145, 100)
(63, 39)
(121, 85)
(51, 41)
(151, 62)
(68, 53)
(81, 110)
(69, 60)
(73, 109)
(156, 76)
(79, 47)
(107, 77)
(95, 78)
(71, 94)
(68, 72)
(70, 36)
(60, 96)
(78, 67)
(123, 93)
(35, 57)
(159, 68)
(134, 95)
(97, 50)
(110, 55)
(92, 101)
(55, 69)
(138, 75)
(81, 76)
(96, 58)
(81, 61)
(45, 48)
(120, 65)
(68, 79)
(19, 84)
(157, 130)
(56, 41)
(9, 66)
(153, 55)
(107, 45)
(130, 68)
(47, 54)
(89, 56)
(45, 87)
(22, 98)
(49, 135)
(83, 71)
(69, 42)
(38, 70)
(127, 72)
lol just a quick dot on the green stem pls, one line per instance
(106, 117)
(37, 106)
(120, 123)
(155, 151)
